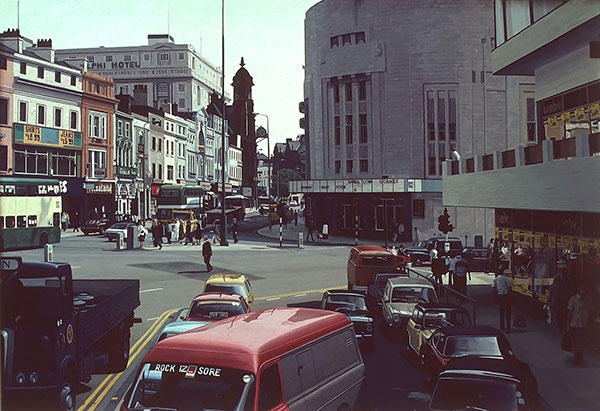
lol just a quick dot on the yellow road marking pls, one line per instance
(320, 290)
(135, 349)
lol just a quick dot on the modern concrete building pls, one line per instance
(172, 73)
(545, 195)
(389, 87)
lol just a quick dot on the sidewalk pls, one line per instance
(291, 233)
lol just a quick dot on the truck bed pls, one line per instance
(114, 301)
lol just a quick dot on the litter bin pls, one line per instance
(132, 237)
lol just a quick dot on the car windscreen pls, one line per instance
(214, 310)
(378, 260)
(470, 393)
(382, 280)
(413, 294)
(349, 302)
(227, 288)
(176, 386)
(472, 345)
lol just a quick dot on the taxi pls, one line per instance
(426, 318)
(213, 307)
(231, 283)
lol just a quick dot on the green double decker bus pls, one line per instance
(30, 211)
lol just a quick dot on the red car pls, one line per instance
(451, 342)
(216, 306)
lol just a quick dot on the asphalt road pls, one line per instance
(287, 276)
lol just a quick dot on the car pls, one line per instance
(178, 327)
(366, 260)
(478, 257)
(354, 306)
(447, 343)
(376, 287)
(400, 297)
(419, 253)
(426, 318)
(231, 283)
(490, 383)
(96, 225)
(118, 228)
(438, 243)
(215, 306)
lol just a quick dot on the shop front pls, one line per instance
(126, 192)
(99, 199)
(154, 190)
(544, 244)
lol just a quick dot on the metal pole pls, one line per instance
(223, 221)
(385, 222)
(269, 158)
(280, 232)
(355, 230)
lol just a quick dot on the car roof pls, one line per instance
(226, 279)
(439, 306)
(274, 332)
(410, 281)
(218, 297)
(459, 330)
(482, 365)
(344, 292)
(372, 249)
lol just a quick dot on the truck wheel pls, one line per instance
(116, 344)
(43, 239)
(349, 286)
(68, 393)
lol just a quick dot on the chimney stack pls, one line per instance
(125, 102)
(140, 95)
(43, 49)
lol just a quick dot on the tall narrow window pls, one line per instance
(359, 37)
(41, 115)
(336, 93)
(452, 115)
(57, 77)
(349, 166)
(74, 120)
(349, 129)
(23, 68)
(40, 72)
(363, 128)
(333, 42)
(531, 134)
(57, 117)
(338, 132)
(73, 80)
(23, 112)
(364, 166)
(362, 90)
(348, 89)
(346, 39)
(431, 158)
(338, 166)
(3, 111)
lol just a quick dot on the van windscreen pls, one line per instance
(189, 387)
(378, 260)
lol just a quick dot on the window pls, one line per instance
(349, 129)
(21, 221)
(108, 58)
(160, 145)
(23, 112)
(127, 57)
(452, 115)
(32, 221)
(170, 172)
(269, 392)
(10, 222)
(90, 59)
(348, 89)
(4, 111)
(57, 117)
(181, 87)
(531, 135)
(181, 103)
(31, 161)
(333, 42)
(41, 118)
(97, 88)
(359, 37)
(163, 88)
(119, 128)
(362, 90)
(73, 80)
(64, 164)
(97, 124)
(73, 116)
(336, 93)
(97, 164)
(146, 56)
(418, 207)
(348, 166)
(346, 39)
(153, 143)
(338, 131)
(127, 127)
(181, 56)
(57, 77)
(3, 158)
(160, 171)
(163, 56)
(338, 166)
(153, 170)
(364, 166)
(23, 68)
(2, 63)
(125, 89)
(362, 119)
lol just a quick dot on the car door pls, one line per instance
(427, 348)
(250, 293)
(412, 329)
(437, 363)
(385, 307)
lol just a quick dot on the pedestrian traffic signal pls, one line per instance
(444, 225)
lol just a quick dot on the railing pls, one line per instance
(564, 148)
(488, 162)
(508, 159)
(454, 167)
(594, 144)
(470, 165)
(533, 154)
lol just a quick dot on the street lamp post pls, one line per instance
(142, 156)
(223, 216)
(268, 151)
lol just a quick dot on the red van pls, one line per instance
(263, 360)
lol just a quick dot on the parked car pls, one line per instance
(478, 257)
(376, 287)
(216, 306)
(231, 283)
(426, 318)
(178, 327)
(478, 383)
(419, 253)
(354, 306)
(456, 246)
(96, 225)
(400, 297)
(118, 228)
(364, 261)
(451, 342)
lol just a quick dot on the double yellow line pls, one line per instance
(96, 397)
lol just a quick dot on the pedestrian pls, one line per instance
(215, 231)
(189, 239)
(76, 222)
(461, 270)
(207, 253)
(503, 292)
(310, 228)
(454, 155)
(416, 236)
(325, 232)
(234, 230)
(451, 266)
(169, 232)
(181, 231)
(142, 233)
(176, 230)
(198, 233)
(63, 220)
(557, 303)
(295, 217)
(579, 309)
(157, 234)
(492, 257)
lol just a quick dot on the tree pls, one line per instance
(283, 177)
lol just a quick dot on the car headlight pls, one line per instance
(20, 378)
(369, 327)
(34, 378)
(396, 318)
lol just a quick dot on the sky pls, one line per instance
(269, 34)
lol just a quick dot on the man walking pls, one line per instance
(169, 232)
(503, 288)
(578, 319)
(234, 230)
(461, 269)
(207, 253)
(310, 228)
(157, 234)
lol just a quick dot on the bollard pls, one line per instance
(300, 240)
(356, 230)
(280, 232)
(49, 253)
(120, 242)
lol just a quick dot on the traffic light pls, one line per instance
(444, 222)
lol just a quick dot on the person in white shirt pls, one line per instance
(454, 155)
(502, 286)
